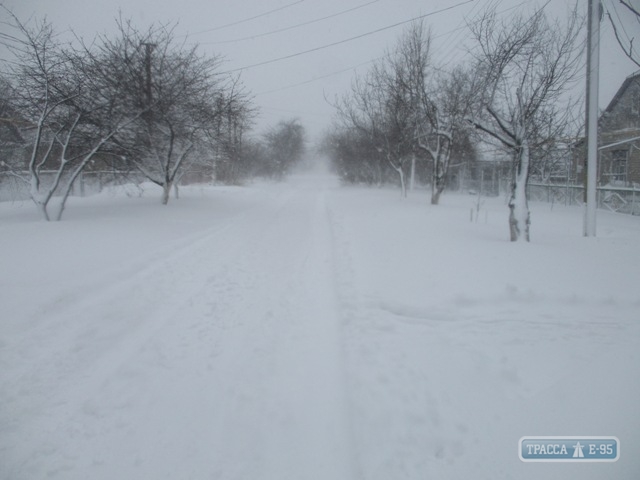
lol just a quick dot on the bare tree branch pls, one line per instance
(630, 7)
(628, 53)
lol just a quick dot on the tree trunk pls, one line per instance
(413, 173)
(69, 186)
(437, 183)
(42, 208)
(403, 186)
(166, 192)
(63, 203)
(34, 192)
(519, 215)
(435, 195)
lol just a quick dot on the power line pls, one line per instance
(272, 32)
(339, 72)
(450, 54)
(454, 42)
(248, 19)
(346, 40)
(315, 79)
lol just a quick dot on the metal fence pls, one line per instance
(615, 199)
(485, 178)
(88, 183)
(494, 178)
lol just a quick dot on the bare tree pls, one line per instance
(438, 102)
(379, 109)
(527, 64)
(619, 30)
(179, 90)
(407, 109)
(226, 139)
(353, 157)
(59, 104)
(285, 145)
(11, 135)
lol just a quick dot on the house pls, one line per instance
(619, 138)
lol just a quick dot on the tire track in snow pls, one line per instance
(284, 408)
(59, 365)
(237, 373)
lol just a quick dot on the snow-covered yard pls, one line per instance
(311, 331)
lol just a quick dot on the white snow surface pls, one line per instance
(311, 331)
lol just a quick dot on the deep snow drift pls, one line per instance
(311, 331)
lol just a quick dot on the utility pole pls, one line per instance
(593, 69)
(147, 62)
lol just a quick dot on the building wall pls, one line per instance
(630, 151)
(625, 113)
(620, 122)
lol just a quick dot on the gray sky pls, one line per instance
(249, 32)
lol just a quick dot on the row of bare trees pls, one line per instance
(403, 109)
(514, 92)
(139, 101)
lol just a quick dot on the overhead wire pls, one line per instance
(315, 79)
(352, 68)
(245, 20)
(458, 30)
(450, 55)
(345, 70)
(291, 27)
(453, 43)
(346, 40)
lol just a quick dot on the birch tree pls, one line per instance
(528, 64)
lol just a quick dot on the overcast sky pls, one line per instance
(250, 32)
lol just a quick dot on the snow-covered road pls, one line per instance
(307, 331)
(219, 358)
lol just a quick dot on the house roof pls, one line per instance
(614, 101)
(616, 98)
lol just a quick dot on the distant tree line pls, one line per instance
(138, 102)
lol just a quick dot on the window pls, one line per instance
(618, 166)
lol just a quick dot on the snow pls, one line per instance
(311, 331)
